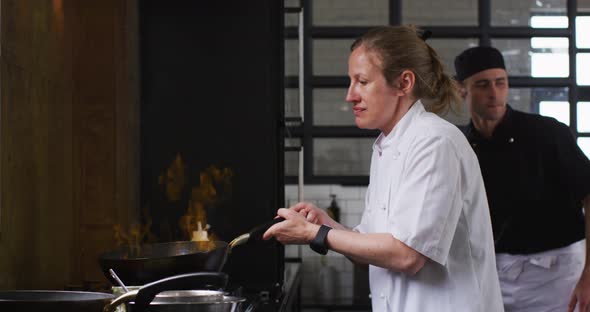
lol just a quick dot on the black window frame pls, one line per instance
(484, 31)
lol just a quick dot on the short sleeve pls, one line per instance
(429, 200)
(575, 165)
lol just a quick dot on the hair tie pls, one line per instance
(425, 35)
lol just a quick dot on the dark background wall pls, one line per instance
(212, 85)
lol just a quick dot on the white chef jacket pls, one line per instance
(426, 190)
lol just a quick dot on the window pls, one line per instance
(582, 25)
(447, 13)
(535, 38)
(545, 14)
(350, 12)
(549, 21)
(342, 156)
(582, 69)
(584, 144)
(549, 57)
(584, 126)
(584, 117)
(557, 109)
(330, 108)
(535, 57)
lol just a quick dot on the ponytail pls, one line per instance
(444, 91)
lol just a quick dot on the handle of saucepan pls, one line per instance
(201, 280)
(256, 233)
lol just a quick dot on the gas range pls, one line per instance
(283, 298)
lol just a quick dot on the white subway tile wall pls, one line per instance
(330, 276)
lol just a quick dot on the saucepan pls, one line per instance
(177, 293)
(156, 261)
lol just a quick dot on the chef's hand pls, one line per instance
(313, 214)
(581, 295)
(294, 230)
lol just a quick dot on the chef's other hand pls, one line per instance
(294, 230)
(312, 213)
(581, 294)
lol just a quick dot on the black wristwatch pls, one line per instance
(318, 244)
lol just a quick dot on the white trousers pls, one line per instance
(542, 281)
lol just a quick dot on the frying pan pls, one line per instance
(50, 301)
(157, 261)
(77, 301)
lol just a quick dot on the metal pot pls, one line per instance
(157, 296)
(186, 299)
(157, 261)
(192, 300)
(50, 301)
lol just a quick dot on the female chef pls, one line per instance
(425, 231)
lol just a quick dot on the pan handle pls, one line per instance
(256, 233)
(147, 293)
(124, 298)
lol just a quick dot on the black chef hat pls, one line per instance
(474, 60)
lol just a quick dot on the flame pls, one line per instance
(174, 179)
(132, 237)
(215, 185)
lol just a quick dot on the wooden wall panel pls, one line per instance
(68, 149)
(127, 110)
(106, 145)
(17, 173)
(36, 134)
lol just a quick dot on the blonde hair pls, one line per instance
(401, 48)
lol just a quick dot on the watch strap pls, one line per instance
(318, 244)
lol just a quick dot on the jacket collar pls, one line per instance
(503, 130)
(386, 141)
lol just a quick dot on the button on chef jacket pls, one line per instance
(426, 190)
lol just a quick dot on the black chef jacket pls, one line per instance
(535, 177)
